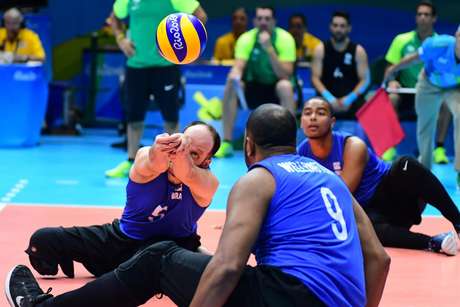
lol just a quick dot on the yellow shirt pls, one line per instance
(27, 43)
(306, 50)
(225, 47)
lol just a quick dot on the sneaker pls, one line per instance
(444, 243)
(22, 290)
(457, 229)
(120, 171)
(389, 155)
(225, 150)
(121, 144)
(439, 156)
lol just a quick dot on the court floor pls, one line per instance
(61, 182)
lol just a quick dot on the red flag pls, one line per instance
(380, 122)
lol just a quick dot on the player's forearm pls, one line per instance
(406, 62)
(376, 271)
(202, 183)
(149, 162)
(317, 84)
(363, 84)
(376, 260)
(117, 27)
(321, 88)
(279, 69)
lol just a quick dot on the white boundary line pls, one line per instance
(17, 188)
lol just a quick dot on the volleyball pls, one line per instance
(181, 38)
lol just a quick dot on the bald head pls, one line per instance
(13, 13)
(271, 125)
(12, 20)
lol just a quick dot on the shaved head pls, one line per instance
(13, 13)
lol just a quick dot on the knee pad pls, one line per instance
(141, 273)
(45, 255)
(41, 246)
(42, 266)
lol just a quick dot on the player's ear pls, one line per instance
(249, 146)
(333, 120)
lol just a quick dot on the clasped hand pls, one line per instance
(172, 146)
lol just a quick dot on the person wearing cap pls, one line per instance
(438, 81)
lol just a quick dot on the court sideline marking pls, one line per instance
(18, 187)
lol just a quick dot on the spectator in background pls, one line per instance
(147, 71)
(224, 49)
(17, 43)
(405, 44)
(438, 81)
(263, 69)
(305, 42)
(340, 70)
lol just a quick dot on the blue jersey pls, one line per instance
(159, 208)
(310, 232)
(374, 171)
(441, 66)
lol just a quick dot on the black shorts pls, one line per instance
(165, 268)
(257, 94)
(406, 107)
(397, 200)
(100, 248)
(161, 82)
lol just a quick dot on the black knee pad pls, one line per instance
(43, 267)
(42, 240)
(141, 273)
(45, 254)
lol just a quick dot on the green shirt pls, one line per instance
(145, 15)
(403, 45)
(258, 67)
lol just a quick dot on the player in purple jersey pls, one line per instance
(170, 185)
(394, 197)
(296, 216)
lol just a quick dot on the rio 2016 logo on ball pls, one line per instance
(181, 38)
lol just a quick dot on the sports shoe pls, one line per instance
(120, 144)
(120, 171)
(457, 229)
(389, 155)
(225, 150)
(21, 288)
(439, 156)
(444, 243)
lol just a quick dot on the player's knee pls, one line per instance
(136, 125)
(141, 273)
(407, 161)
(41, 240)
(283, 86)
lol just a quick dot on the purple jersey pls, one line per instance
(159, 208)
